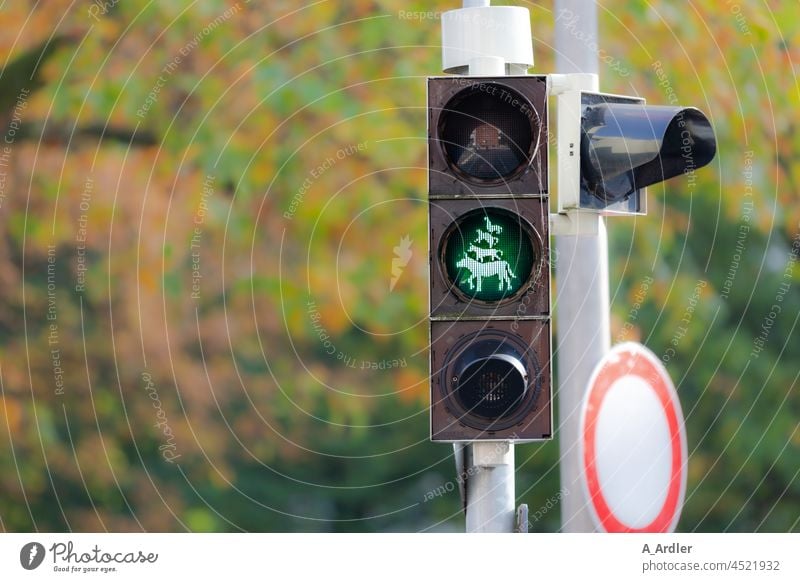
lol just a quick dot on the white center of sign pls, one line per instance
(626, 423)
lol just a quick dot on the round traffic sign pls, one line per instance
(633, 443)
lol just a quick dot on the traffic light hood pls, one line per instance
(628, 146)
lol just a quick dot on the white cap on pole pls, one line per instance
(479, 30)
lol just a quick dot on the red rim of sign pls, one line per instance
(625, 360)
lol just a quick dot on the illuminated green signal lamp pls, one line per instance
(489, 255)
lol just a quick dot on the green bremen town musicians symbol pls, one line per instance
(489, 256)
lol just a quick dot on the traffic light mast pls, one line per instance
(489, 221)
(490, 226)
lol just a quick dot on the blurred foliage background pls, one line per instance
(210, 318)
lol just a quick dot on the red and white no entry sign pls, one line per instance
(633, 443)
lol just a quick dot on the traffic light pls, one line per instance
(611, 147)
(489, 258)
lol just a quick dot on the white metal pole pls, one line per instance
(582, 302)
(490, 487)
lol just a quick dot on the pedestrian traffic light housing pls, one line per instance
(489, 136)
(612, 147)
(489, 258)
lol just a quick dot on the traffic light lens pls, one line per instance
(492, 387)
(489, 255)
(487, 132)
(491, 379)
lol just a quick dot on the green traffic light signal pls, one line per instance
(489, 255)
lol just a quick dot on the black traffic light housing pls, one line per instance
(490, 380)
(447, 226)
(489, 258)
(490, 136)
(626, 145)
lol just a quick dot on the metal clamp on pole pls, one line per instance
(570, 220)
